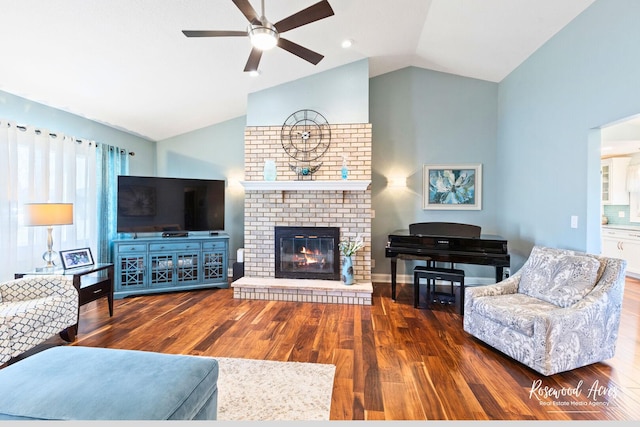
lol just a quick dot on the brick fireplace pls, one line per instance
(325, 201)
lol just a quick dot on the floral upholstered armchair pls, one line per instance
(34, 309)
(559, 312)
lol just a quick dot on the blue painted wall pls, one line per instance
(584, 77)
(340, 94)
(426, 117)
(214, 152)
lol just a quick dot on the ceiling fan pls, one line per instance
(264, 35)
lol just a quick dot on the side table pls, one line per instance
(93, 282)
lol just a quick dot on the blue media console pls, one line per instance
(162, 264)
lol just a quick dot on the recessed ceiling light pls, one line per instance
(347, 43)
(254, 73)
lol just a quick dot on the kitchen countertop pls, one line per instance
(621, 227)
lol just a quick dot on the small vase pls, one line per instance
(270, 172)
(345, 170)
(347, 270)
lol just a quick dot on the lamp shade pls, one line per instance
(49, 214)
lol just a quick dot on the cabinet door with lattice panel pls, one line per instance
(130, 272)
(161, 269)
(214, 261)
(187, 267)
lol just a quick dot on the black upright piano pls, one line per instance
(482, 250)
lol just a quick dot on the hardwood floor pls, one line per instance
(394, 362)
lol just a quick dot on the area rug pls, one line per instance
(266, 390)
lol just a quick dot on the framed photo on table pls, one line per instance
(452, 187)
(75, 258)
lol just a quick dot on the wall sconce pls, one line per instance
(234, 182)
(49, 214)
(397, 182)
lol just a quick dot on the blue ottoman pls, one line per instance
(85, 383)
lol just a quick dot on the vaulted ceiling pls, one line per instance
(126, 63)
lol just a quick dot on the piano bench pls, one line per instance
(431, 274)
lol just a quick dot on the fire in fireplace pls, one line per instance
(307, 253)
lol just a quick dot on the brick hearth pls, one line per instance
(307, 290)
(305, 204)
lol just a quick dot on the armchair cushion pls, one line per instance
(560, 279)
(515, 311)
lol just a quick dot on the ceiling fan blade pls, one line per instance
(306, 16)
(254, 60)
(214, 33)
(302, 52)
(248, 11)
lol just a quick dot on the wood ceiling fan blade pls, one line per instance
(306, 16)
(248, 11)
(254, 60)
(300, 51)
(214, 33)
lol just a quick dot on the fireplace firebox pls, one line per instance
(307, 253)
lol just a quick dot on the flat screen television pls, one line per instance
(155, 204)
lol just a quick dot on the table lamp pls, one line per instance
(49, 214)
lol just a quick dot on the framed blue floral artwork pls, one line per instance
(452, 187)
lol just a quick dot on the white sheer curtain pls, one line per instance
(39, 166)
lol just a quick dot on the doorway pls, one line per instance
(620, 195)
(620, 150)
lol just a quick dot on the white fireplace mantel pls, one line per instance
(334, 185)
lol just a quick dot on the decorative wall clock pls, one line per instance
(305, 136)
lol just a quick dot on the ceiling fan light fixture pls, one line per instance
(264, 36)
